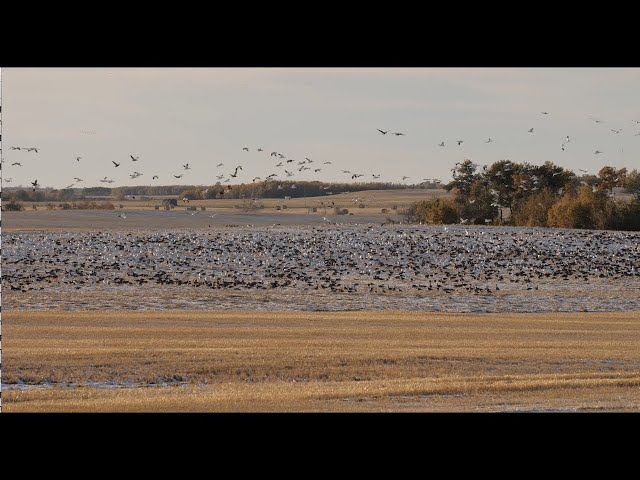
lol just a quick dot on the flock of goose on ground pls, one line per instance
(391, 260)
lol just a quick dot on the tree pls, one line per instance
(611, 177)
(464, 174)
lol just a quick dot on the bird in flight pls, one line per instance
(397, 134)
(32, 149)
(441, 144)
(246, 149)
(375, 176)
(70, 186)
(289, 174)
(220, 164)
(545, 113)
(178, 176)
(460, 142)
(77, 179)
(583, 170)
(16, 163)
(186, 166)
(116, 164)
(346, 171)
(290, 160)
(256, 178)
(616, 131)
(356, 175)
(279, 164)
(9, 180)
(135, 159)
(530, 130)
(327, 163)
(317, 170)
(404, 178)
(154, 177)
(15, 148)
(382, 131)
(78, 159)
(259, 149)
(489, 141)
(274, 154)
(35, 185)
(597, 152)
(308, 160)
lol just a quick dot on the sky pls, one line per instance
(168, 117)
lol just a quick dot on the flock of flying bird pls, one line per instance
(284, 162)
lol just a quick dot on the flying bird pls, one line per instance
(70, 186)
(35, 185)
(15, 148)
(543, 113)
(116, 164)
(397, 134)
(245, 149)
(31, 149)
(220, 164)
(460, 142)
(382, 131)
(405, 177)
(597, 152)
(530, 130)
(489, 141)
(154, 177)
(616, 131)
(274, 154)
(78, 159)
(135, 159)
(259, 149)
(279, 164)
(186, 166)
(178, 176)
(376, 176)
(327, 163)
(16, 163)
(442, 144)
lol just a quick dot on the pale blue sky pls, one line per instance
(171, 116)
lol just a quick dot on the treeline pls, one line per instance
(264, 189)
(536, 195)
(276, 189)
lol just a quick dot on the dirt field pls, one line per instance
(298, 361)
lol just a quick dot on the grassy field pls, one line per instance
(298, 361)
(374, 201)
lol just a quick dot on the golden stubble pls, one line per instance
(319, 361)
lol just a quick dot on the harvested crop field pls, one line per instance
(212, 361)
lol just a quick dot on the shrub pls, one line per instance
(13, 206)
(436, 211)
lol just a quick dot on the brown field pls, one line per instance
(299, 361)
(374, 201)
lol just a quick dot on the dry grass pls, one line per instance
(375, 200)
(346, 361)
